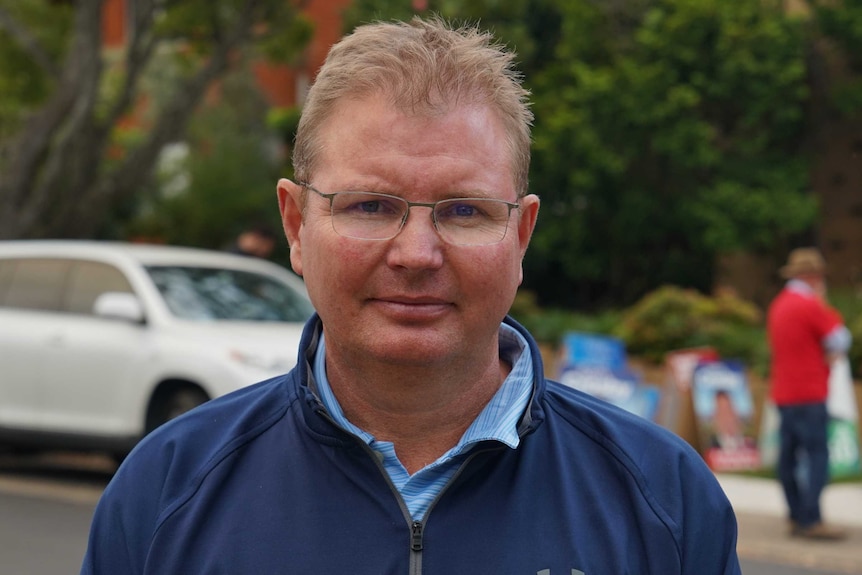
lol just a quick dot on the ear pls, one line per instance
(290, 206)
(528, 214)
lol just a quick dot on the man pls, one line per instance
(255, 241)
(417, 433)
(805, 335)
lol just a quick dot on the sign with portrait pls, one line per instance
(725, 412)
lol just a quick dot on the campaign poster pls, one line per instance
(676, 412)
(681, 364)
(597, 365)
(592, 350)
(621, 388)
(725, 414)
(843, 430)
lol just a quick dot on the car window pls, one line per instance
(36, 284)
(221, 294)
(89, 280)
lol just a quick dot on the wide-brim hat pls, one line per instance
(803, 261)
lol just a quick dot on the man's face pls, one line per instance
(413, 299)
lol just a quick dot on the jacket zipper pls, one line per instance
(416, 546)
(416, 537)
(417, 528)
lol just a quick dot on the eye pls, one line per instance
(366, 204)
(464, 210)
(369, 206)
(460, 209)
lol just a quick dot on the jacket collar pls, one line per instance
(315, 415)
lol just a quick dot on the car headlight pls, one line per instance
(260, 360)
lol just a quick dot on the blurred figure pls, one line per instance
(805, 334)
(256, 241)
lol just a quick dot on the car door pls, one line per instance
(30, 294)
(95, 361)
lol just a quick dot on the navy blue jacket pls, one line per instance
(261, 482)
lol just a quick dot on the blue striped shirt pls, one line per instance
(498, 421)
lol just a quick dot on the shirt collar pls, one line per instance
(800, 286)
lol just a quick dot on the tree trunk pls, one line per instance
(54, 180)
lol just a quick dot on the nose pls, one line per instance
(418, 245)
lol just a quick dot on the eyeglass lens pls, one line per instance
(461, 221)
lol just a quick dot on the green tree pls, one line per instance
(659, 148)
(66, 160)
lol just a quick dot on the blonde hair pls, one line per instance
(425, 67)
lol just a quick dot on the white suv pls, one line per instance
(101, 342)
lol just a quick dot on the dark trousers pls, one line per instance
(803, 460)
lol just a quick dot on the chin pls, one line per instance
(413, 352)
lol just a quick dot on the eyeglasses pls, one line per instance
(458, 221)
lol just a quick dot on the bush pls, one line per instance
(548, 325)
(854, 356)
(672, 318)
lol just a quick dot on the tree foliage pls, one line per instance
(68, 155)
(662, 147)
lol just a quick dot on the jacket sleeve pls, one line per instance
(155, 477)
(124, 522)
(708, 523)
(685, 494)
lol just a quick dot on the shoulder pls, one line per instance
(665, 471)
(800, 304)
(169, 464)
(608, 424)
(207, 434)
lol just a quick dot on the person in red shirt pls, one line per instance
(805, 334)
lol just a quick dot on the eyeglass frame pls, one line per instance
(432, 205)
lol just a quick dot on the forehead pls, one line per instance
(370, 136)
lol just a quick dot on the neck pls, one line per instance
(424, 410)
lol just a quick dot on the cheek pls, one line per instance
(334, 263)
(493, 277)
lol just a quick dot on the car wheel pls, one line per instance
(176, 403)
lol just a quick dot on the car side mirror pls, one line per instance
(119, 305)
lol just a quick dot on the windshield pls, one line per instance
(222, 294)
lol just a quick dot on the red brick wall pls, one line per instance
(113, 23)
(284, 86)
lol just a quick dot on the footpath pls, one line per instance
(763, 530)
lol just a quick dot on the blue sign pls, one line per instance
(621, 388)
(592, 350)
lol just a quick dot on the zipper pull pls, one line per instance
(416, 536)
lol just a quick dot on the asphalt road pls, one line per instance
(42, 536)
(46, 504)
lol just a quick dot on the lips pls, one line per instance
(410, 307)
(413, 300)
